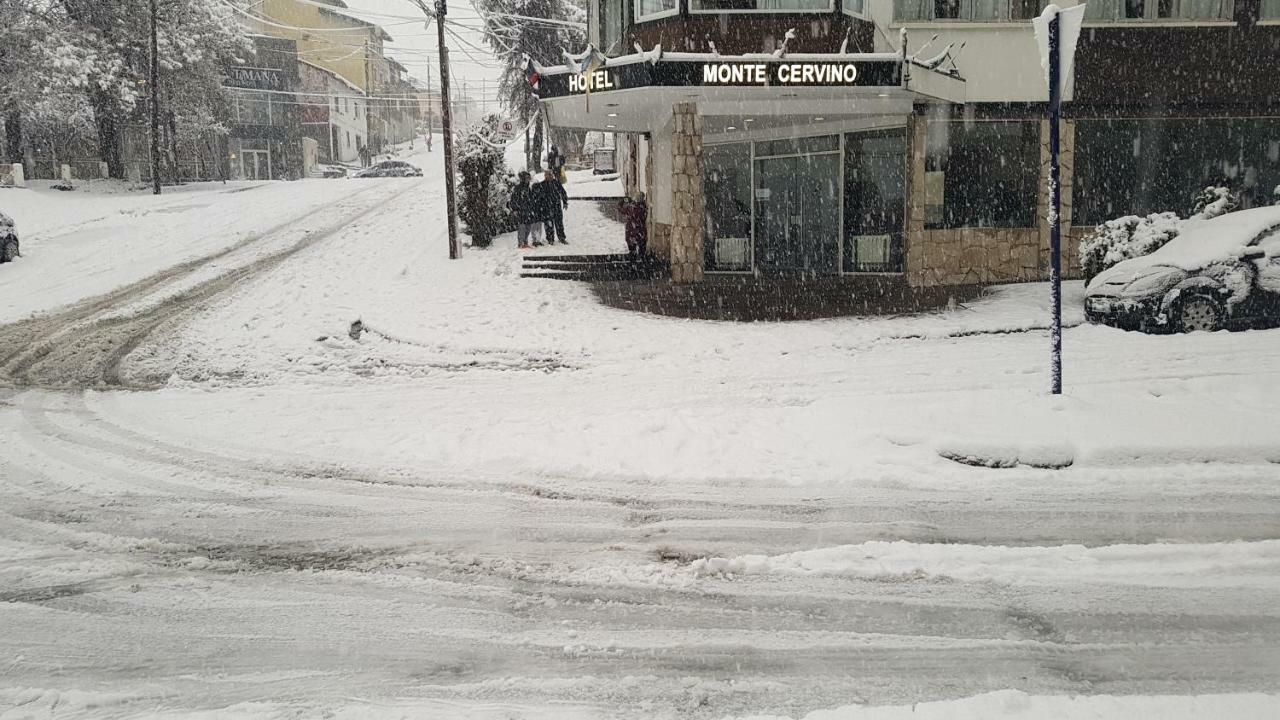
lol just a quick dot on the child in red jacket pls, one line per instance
(635, 212)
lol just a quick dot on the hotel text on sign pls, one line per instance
(597, 80)
(779, 74)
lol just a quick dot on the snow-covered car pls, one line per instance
(390, 168)
(1215, 274)
(8, 239)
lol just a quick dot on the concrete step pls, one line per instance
(598, 258)
(597, 275)
(573, 265)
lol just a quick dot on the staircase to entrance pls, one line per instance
(590, 268)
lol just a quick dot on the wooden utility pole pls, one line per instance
(446, 127)
(430, 120)
(155, 100)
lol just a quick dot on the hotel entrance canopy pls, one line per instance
(635, 93)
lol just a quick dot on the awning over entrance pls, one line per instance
(635, 93)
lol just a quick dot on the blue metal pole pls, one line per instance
(1055, 199)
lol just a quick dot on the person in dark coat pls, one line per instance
(635, 213)
(524, 206)
(555, 162)
(552, 202)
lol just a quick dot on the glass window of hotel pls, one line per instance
(978, 10)
(761, 5)
(1270, 10)
(1136, 167)
(650, 9)
(727, 186)
(874, 200)
(612, 26)
(1123, 10)
(981, 174)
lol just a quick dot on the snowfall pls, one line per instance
(503, 499)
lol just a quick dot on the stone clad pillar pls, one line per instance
(688, 201)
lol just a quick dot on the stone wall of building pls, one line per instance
(657, 233)
(962, 256)
(688, 199)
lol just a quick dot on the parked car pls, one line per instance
(390, 168)
(1216, 274)
(8, 239)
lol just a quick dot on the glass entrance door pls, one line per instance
(874, 200)
(797, 213)
(256, 164)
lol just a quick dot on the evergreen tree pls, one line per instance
(483, 208)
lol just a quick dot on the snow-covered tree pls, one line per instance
(514, 40)
(101, 51)
(484, 192)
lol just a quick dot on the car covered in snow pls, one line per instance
(8, 239)
(1215, 274)
(390, 168)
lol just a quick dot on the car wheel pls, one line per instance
(1200, 314)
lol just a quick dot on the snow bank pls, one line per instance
(1199, 565)
(1017, 705)
(1220, 566)
(999, 705)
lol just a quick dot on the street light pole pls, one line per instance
(446, 127)
(1055, 198)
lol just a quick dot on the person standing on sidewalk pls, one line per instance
(636, 214)
(553, 201)
(524, 205)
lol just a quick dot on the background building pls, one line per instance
(335, 116)
(266, 133)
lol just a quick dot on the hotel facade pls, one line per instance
(909, 138)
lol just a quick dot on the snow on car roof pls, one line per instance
(1205, 241)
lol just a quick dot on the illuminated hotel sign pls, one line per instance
(598, 81)
(779, 74)
(726, 73)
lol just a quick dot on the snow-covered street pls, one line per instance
(504, 499)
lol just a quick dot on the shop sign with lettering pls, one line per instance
(255, 78)
(807, 73)
(727, 73)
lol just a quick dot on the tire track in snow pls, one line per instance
(86, 344)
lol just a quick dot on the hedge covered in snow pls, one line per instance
(1115, 241)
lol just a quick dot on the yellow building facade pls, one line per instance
(328, 38)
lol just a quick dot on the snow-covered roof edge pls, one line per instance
(333, 74)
